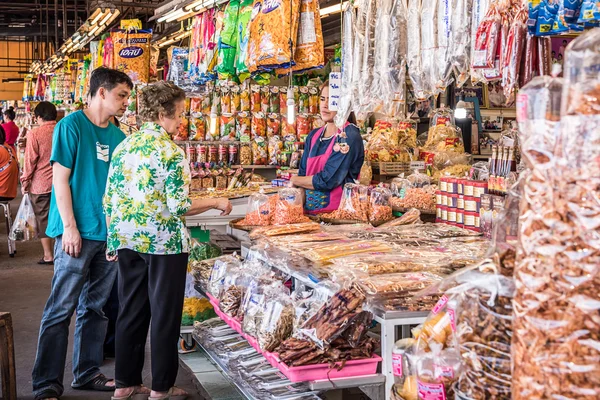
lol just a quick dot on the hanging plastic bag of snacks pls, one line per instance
(245, 153)
(265, 99)
(380, 210)
(303, 125)
(227, 126)
(277, 322)
(274, 100)
(183, 129)
(275, 149)
(132, 54)
(273, 125)
(259, 125)
(245, 101)
(289, 208)
(228, 41)
(197, 127)
(255, 98)
(260, 153)
(243, 122)
(225, 100)
(213, 132)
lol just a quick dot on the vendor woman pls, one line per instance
(332, 157)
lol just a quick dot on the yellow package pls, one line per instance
(132, 54)
(131, 24)
(271, 24)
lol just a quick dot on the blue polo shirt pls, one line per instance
(86, 149)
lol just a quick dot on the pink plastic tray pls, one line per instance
(272, 358)
(318, 372)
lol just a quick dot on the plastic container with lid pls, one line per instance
(444, 199)
(460, 202)
(460, 217)
(444, 213)
(469, 220)
(452, 200)
(468, 188)
(444, 184)
(472, 204)
(438, 212)
(438, 197)
(460, 184)
(452, 186)
(452, 214)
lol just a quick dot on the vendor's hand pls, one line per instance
(292, 182)
(23, 191)
(224, 205)
(71, 242)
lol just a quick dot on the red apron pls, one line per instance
(317, 202)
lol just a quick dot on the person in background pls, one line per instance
(10, 128)
(332, 157)
(9, 170)
(37, 172)
(151, 242)
(82, 148)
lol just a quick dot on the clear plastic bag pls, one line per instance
(413, 55)
(277, 322)
(412, 216)
(380, 210)
(259, 212)
(221, 268)
(24, 227)
(289, 209)
(348, 66)
(429, 45)
(307, 302)
(328, 251)
(333, 318)
(354, 205)
(555, 342)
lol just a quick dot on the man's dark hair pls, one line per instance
(10, 113)
(46, 111)
(2, 135)
(108, 79)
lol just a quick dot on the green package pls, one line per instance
(243, 35)
(228, 41)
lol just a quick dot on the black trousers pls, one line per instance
(111, 311)
(151, 288)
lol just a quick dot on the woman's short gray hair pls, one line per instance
(159, 98)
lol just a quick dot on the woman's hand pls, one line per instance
(224, 205)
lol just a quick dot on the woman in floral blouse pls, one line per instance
(147, 196)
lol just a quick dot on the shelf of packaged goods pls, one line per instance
(256, 166)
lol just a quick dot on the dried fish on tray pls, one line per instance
(290, 229)
(328, 251)
(361, 265)
(398, 285)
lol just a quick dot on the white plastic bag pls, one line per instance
(25, 225)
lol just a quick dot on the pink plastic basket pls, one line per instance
(318, 372)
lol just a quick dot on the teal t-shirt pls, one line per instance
(86, 149)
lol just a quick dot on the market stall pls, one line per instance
(412, 287)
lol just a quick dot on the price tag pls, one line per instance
(335, 82)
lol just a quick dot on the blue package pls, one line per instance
(589, 12)
(572, 10)
(559, 26)
(546, 16)
(532, 16)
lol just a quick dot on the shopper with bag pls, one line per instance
(9, 170)
(146, 199)
(332, 157)
(82, 148)
(37, 172)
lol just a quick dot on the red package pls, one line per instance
(303, 125)
(487, 39)
(528, 64)
(512, 61)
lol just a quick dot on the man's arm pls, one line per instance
(71, 239)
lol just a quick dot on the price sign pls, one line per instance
(335, 81)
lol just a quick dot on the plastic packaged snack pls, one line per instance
(303, 125)
(289, 209)
(333, 318)
(412, 216)
(273, 125)
(243, 36)
(259, 213)
(259, 125)
(269, 32)
(329, 251)
(132, 54)
(245, 98)
(225, 100)
(380, 210)
(183, 129)
(228, 42)
(24, 226)
(223, 266)
(255, 98)
(227, 126)
(245, 154)
(291, 229)
(260, 152)
(243, 126)
(275, 148)
(277, 322)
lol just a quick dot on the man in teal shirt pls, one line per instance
(82, 146)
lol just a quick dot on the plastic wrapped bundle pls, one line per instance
(368, 57)
(511, 65)
(429, 45)
(386, 56)
(413, 55)
(345, 105)
(460, 40)
(397, 65)
(556, 340)
(445, 26)
(358, 54)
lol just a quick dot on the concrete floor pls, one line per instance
(24, 289)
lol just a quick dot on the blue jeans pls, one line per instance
(80, 284)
